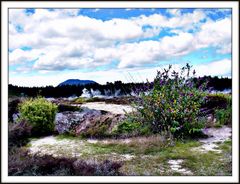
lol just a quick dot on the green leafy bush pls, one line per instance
(223, 116)
(126, 127)
(217, 101)
(173, 104)
(40, 114)
(130, 126)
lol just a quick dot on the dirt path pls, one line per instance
(216, 135)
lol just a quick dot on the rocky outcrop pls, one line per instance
(89, 122)
(99, 126)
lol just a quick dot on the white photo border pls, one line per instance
(234, 5)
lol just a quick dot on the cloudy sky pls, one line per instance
(48, 46)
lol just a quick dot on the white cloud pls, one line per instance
(12, 29)
(20, 56)
(185, 21)
(216, 34)
(17, 16)
(138, 54)
(63, 40)
(50, 79)
(175, 12)
(215, 68)
(128, 55)
(152, 20)
(44, 24)
(178, 45)
(225, 49)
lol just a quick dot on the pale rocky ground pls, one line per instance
(216, 135)
(67, 147)
(113, 108)
(77, 148)
(175, 165)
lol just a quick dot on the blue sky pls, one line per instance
(48, 46)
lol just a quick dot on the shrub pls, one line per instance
(126, 127)
(40, 114)
(220, 106)
(18, 133)
(217, 101)
(223, 116)
(90, 168)
(13, 108)
(173, 104)
(20, 163)
(130, 127)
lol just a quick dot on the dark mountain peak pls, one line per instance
(77, 82)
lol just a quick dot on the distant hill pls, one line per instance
(77, 82)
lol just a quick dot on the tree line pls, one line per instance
(213, 83)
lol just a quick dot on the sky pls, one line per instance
(49, 46)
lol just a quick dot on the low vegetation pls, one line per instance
(170, 113)
(18, 134)
(130, 128)
(40, 114)
(147, 155)
(172, 106)
(23, 164)
(218, 100)
(13, 107)
(223, 116)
